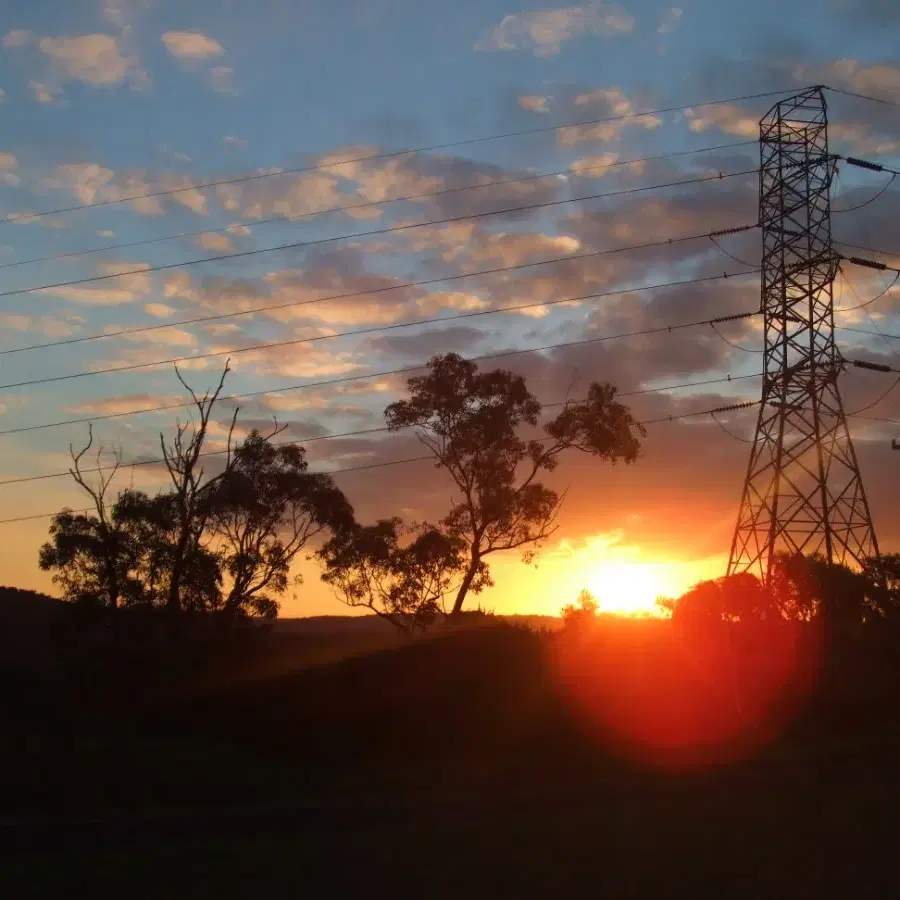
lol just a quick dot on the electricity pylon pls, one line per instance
(803, 492)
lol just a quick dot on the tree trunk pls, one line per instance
(468, 578)
(173, 601)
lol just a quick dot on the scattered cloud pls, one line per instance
(125, 403)
(98, 59)
(159, 310)
(18, 37)
(191, 45)
(42, 93)
(7, 161)
(543, 32)
(111, 291)
(615, 112)
(214, 242)
(727, 117)
(93, 58)
(534, 103)
(48, 326)
(671, 20)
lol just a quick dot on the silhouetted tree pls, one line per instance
(809, 586)
(732, 598)
(266, 510)
(469, 420)
(154, 524)
(248, 521)
(191, 491)
(403, 581)
(582, 613)
(94, 556)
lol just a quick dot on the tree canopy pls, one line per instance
(471, 421)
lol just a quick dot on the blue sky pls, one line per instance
(105, 99)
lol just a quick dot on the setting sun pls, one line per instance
(626, 588)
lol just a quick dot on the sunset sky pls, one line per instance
(105, 100)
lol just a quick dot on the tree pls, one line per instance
(265, 511)
(191, 492)
(732, 598)
(248, 521)
(404, 582)
(154, 524)
(810, 586)
(95, 556)
(582, 613)
(469, 420)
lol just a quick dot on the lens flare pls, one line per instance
(678, 698)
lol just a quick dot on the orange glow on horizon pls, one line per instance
(628, 588)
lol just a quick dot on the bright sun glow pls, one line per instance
(627, 588)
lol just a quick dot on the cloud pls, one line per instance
(125, 403)
(534, 103)
(93, 58)
(159, 310)
(48, 326)
(7, 161)
(98, 59)
(42, 93)
(424, 344)
(127, 288)
(18, 37)
(727, 117)
(545, 31)
(191, 45)
(605, 103)
(214, 242)
(671, 20)
(92, 183)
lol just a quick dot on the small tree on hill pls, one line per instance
(470, 422)
(582, 613)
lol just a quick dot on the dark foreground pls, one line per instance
(449, 768)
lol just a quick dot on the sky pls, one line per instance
(103, 101)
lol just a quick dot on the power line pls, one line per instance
(298, 341)
(373, 203)
(376, 232)
(867, 249)
(876, 298)
(835, 90)
(392, 154)
(871, 199)
(366, 431)
(382, 328)
(413, 459)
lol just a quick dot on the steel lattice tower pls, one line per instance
(803, 492)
